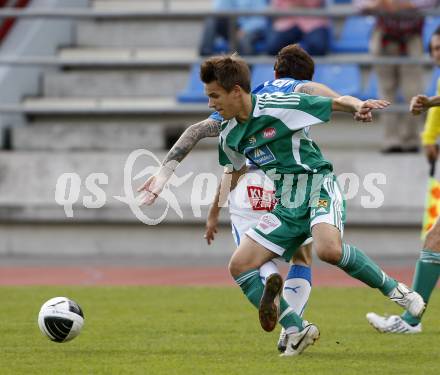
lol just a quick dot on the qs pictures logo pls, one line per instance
(69, 185)
(153, 166)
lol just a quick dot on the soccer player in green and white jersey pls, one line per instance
(293, 72)
(272, 131)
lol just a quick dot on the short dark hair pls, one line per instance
(436, 32)
(293, 62)
(228, 71)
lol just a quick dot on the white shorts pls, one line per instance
(253, 197)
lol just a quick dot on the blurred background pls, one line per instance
(85, 83)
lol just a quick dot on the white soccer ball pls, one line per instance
(60, 319)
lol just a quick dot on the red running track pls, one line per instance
(209, 276)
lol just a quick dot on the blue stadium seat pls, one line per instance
(371, 89)
(194, 91)
(431, 23)
(221, 46)
(261, 73)
(431, 90)
(343, 78)
(355, 35)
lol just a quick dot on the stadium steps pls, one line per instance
(85, 134)
(101, 124)
(183, 57)
(34, 224)
(127, 132)
(65, 121)
(108, 105)
(97, 83)
(29, 181)
(157, 33)
(161, 56)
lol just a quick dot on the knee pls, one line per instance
(237, 266)
(303, 256)
(329, 253)
(432, 241)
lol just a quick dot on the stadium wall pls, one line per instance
(31, 37)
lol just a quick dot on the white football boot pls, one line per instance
(282, 341)
(298, 342)
(408, 299)
(392, 324)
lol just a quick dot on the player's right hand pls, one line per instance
(431, 152)
(419, 104)
(211, 230)
(152, 188)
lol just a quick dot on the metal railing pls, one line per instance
(96, 109)
(332, 12)
(145, 62)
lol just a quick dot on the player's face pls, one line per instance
(435, 49)
(223, 102)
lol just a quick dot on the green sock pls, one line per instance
(425, 279)
(358, 265)
(252, 287)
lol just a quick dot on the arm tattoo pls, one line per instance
(307, 89)
(190, 137)
(314, 88)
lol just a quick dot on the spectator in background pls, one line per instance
(250, 30)
(312, 33)
(398, 36)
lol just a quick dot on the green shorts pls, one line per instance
(284, 230)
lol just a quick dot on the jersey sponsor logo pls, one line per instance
(261, 199)
(323, 203)
(260, 155)
(268, 223)
(322, 208)
(269, 133)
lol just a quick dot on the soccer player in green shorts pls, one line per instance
(427, 269)
(293, 72)
(273, 131)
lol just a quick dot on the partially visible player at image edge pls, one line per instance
(428, 265)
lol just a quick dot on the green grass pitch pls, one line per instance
(183, 330)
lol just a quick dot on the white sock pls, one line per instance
(297, 287)
(268, 269)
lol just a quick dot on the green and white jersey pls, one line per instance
(276, 136)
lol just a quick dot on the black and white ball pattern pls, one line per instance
(60, 319)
